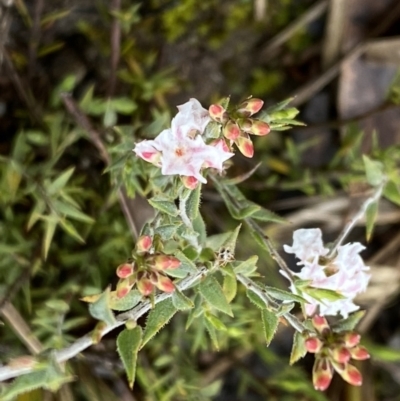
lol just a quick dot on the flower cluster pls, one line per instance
(181, 150)
(237, 124)
(147, 270)
(344, 273)
(333, 351)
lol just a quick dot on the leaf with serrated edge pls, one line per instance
(128, 343)
(212, 292)
(125, 303)
(256, 300)
(193, 203)
(298, 349)
(348, 324)
(167, 207)
(101, 308)
(180, 301)
(212, 333)
(246, 267)
(157, 319)
(270, 323)
(282, 295)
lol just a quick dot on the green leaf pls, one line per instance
(256, 300)
(51, 378)
(193, 203)
(101, 308)
(128, 343)
(60, 182)
(270, 323)
(370, 216)
(229, 287)
(167, 231)
(322, 294)
(72, 212)
(125, 303)
(123, 105)
(373, 170)
(212, 332)
(186, 264)
(218, 325)
(157, 319)
(71, 230)
(282, 295)
(298, 349)
(164, 206)
(50, 224)
(392, 192)
(180, 301)
(348, 324)
(246, 267)
(267, 216)
(212, 292)
(229, 243)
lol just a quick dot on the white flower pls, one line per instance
(181, 149)
(345, 273)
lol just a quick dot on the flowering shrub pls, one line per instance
(176, 266)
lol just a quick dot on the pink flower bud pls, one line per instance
(245, 145)
(189, 182)
(125, 270)
(320, 324)
(145, 286)
(163, 262)
(322, 374)
(313, 345)
(350, 374)
(165, 284)
(147, 152)
(245, 124)
(351, 339)
(340, 354)
(123, 287)
(359, 353)
(144, 243)
(218, 113)
(231, 130)
(260, 128)
(250, 107)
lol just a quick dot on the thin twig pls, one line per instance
(95, 138)
(63, 355)
(20, 327)
(115, 42)
(35, 36)
(314, 12)
(308, 90)
(352, 222)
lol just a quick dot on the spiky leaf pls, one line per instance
(101, 308)
(270, 323)
(298, 349)
(212, 292)
(128, 343)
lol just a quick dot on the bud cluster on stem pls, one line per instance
(333, 351)
(146, 270)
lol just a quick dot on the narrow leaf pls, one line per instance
(101, 308)
(193, 203)
(373, 170)
(212, 332)
(298, 349)
(164, 206)
(128, 343)
(180, 301)
(212, 292)
(229, 287)
(256, 300)
(392, 192)
(218, 325)
(61, 181)
(348, 324)
(125, 303)
(270, 323)
(157, 319)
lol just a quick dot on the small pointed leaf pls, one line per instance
(298, 349)
(212, 292)
(101, 310)
(370, 216)
(128, 343)
(270, 323)
(180, 301)
(157, 319)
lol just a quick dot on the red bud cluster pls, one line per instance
(237, 124)
(333, 352)
(147, 270)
